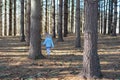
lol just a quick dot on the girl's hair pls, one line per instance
(48, 35)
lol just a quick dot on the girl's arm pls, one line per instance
(52, 43)
(44, 42)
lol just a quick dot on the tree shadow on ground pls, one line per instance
(55, 66)
(15, 64)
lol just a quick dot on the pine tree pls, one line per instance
(28, 21)
(60, 36)
(22, 35)
(1, 18)
(77, 43)
(14, 17)
(65, 18)
(35, 37)
(91, 64)
(53, 19)
(10, 17)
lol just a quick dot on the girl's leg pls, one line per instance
(48, 51)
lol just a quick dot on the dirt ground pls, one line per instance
(65, 62)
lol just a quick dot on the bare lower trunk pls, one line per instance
(91, 64)
(65, 18)
(35, 37)
(1, 18)
(28, 22)
(22, 35)
(110, 17)
(77, 43)
(115, 18)
(10, 18)
(60, 36)
(72, 16)
(14, 17)
(5, 19)
(53, 21)
(105, 17)
(46, 18)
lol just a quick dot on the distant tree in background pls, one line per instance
(53, 19)
(115, 19)
(28, 21)
(65, 18)
(77, 17)
(10, 17)
(46, 17)
(1, 4)
(5, 19)
(15, 18)
(110, 16)
(69, 16)
(60, 36)
(22, 35)
(105, 16)
(119, 19)
(72, 16)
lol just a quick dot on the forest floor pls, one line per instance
(65, 62)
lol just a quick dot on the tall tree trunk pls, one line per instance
(65, 18)
(57, 12)
(46, 16)
(5, 19)
(35, 36)
(10, 17)
(28, 21)
(41, 28)
(78, 42)
(22, 35)
(91, 64)
(105, 16)
(101, 28)
(110, 16)
(14, 17)
(49, 17)
(1, 17)
(115, 18)
(99, 21)
(72, 16)
(69, 17)
(53, 21)
(60, 36)
(119, 19)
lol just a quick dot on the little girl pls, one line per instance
(48, 42)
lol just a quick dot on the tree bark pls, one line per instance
(69, 17)
(5, 19)
(53, 20)
(65, 17)
(46, 18)
(115, 18)
(22, 35)
(105, 16)
(119, 20)
(78, 42)
(14, 17)
(10, 18)
(60, 36)
(110, 16)
(101, 28)
(35, 36)
(1, 17)
(91, 64)
(72, 16)
(28, 21)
